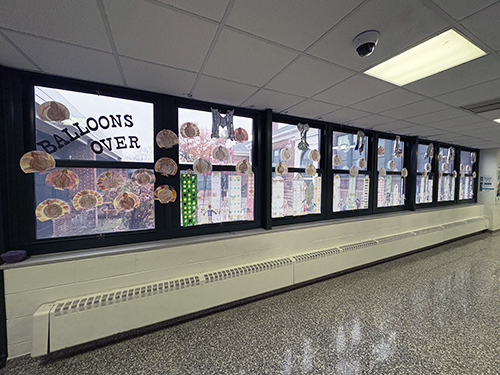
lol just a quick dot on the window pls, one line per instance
(221, 191)
(467, 174)
(391, 173)
(447, 174)
(425, 175)
(296, 184)
(89, 136)
(351, 178)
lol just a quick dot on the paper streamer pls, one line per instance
(317, 195)
(278, 197)
(189, 199)
(298, 195)
(250, 196)
(336, 193)
(366, 192)
(352, 193)
(215, 200)
(234, 197)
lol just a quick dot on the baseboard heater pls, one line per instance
(75, 321)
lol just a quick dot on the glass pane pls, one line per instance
(287, 136)
(296, 194)
(81, 126)
(465, 163)
(445, 164)
(391, 191)
(203, 145)
(466, 187)
(344, 145)
(95, 201)
(422, 161)
(424, 189)
(446, 188)
(350, 193)
(387, 157)
(216, 197)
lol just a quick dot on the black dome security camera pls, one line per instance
(365, 42)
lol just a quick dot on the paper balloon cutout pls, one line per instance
(165, 194)
(310, 170)
(143, 177)
(220, 153)
(424, 173)
(109, 180)
(286, 153)
(281, 169)
(454, 174)
(52, 111)
(240, 135)
(243, 166)
(315, 155)
(404, 172)
(202, 165)
(166, 139)
(392, 165)
(62, 179)
(87, 199)
(126, 202)
(51, 209)
(362, 163)
(474, 174)
(166, 166)
(189, 130)
(354, 171)
(382, 172)
(36, 161)
(337, 160)
(428, 167)
(380, 150)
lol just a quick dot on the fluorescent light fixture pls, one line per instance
(497, 120)
(442, 52)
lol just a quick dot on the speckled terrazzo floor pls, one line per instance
(435, 312)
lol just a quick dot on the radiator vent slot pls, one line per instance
(358, 245)
(230, 273)
(486, 106)
(396, 237)
(428, 230)
(117, 296)
(315, 255)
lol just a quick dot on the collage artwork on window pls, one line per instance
(94, 129)
(425, 155)
(217, 182)
(447, 174)
(351, 183)
(296, 185)
(391, 173)
(467, 160)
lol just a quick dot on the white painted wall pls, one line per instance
(48, 278)
(488, 167)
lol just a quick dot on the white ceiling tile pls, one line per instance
(213, 9)
(153, 33)
(157, 78)
(412, 130)
(280, 21)
(307, 76)
(478, 93)
(72, 61)
(311, 109)
(371, 121)
(484, 25)
(277, 101)
(345, 115)
(240, 58)
(388, 100)
(459, 9)
(472, 73)
(427, 131)
(415, 109)
(353, 90)
(451, 123)
(72, 21)
(12, 57)
(401, 24)
(446, 114)
(393, 126)
(221, 91)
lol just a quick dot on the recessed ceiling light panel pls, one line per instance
(442, 52)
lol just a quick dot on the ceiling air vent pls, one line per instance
(486, 106)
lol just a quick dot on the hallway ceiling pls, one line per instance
(293, 56)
